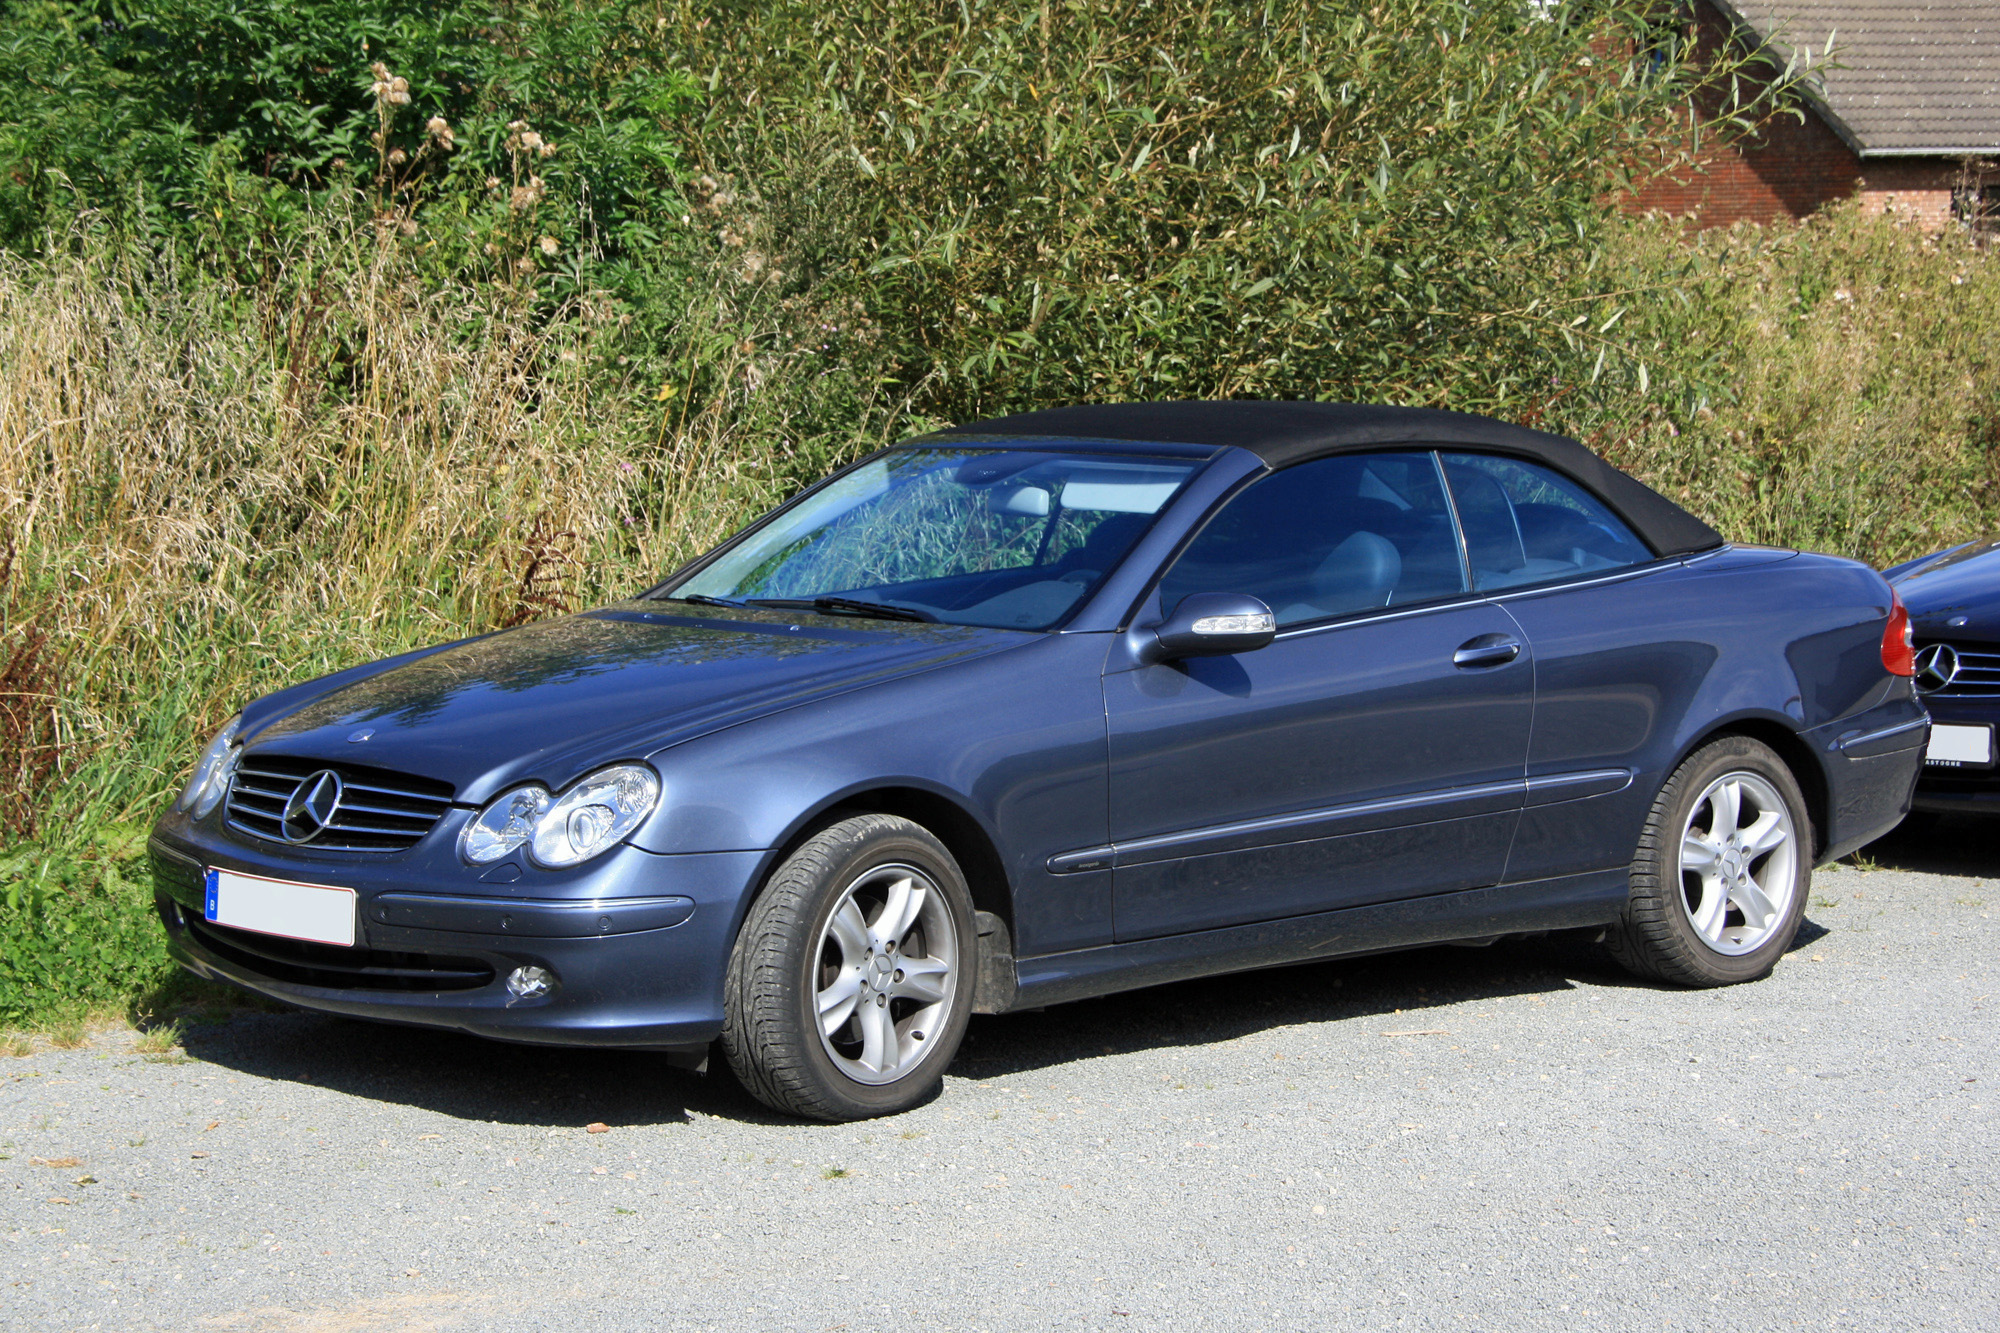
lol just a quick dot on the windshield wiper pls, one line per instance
(846, 606)
(703, 599)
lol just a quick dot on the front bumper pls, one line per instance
(1973, 791)
(435, 951)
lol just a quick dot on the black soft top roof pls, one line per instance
(1282, 433)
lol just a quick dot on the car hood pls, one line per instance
(551, 701)
(1955, 594)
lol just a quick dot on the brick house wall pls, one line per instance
(1793, 166)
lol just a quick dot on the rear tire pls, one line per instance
(850, 985)
(1722, 871)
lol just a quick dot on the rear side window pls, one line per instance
(1526, 524)
(1332, 537)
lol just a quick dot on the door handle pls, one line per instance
(1488, 650)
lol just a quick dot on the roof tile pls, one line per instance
(1918, 77)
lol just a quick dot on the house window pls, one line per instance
(1975, 199)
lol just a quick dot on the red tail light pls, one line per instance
(1899, 650)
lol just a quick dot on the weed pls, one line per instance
(69, 1035)
(31, 683)
(626, 1212)
(16, 1045)
(1970, 902)
(834, 1173)
(161, 1040)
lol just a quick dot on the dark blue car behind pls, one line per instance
(1954, 601)
(1056, 705)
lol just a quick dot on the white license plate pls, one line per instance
(280, 907)
(1954, 746)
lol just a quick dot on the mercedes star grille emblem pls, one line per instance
(312, 806)
(1937, 667)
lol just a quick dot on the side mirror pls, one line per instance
(1213, 624)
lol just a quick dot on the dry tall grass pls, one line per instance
(1833, 385)
(212, 490)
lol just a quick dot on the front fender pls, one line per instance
(1016, 741)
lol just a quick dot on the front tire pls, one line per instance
(850, 985)
(1722, 871)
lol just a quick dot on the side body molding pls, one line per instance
(1360, 817)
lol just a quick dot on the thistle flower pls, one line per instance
(399, 91)
(531, 140)
(440, 129)
(397, 157)
(548, 244)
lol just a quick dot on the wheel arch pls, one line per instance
(963, 834)
(1792, 749)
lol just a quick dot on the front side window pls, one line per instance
(1008, 538)
(1327, 538)
(1526, 524)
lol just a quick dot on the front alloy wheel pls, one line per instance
(887, 959)
(1720, 877)
(850, 984)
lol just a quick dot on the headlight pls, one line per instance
(211, 775)
(594, 815)
(505, 824)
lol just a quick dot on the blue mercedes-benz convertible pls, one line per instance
(1056, 705)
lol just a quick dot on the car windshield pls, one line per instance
(1002, 537)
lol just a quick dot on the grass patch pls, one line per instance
(162, 1039)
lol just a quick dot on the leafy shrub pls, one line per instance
(76, 932)
(1060, 200)
(216, 120)
(1833, 385)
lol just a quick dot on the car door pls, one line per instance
(1620, 645)
(1373, 751)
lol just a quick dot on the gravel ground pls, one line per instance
(1506, 1138)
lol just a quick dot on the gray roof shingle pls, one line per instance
(1905, 78)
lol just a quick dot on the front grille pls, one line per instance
(378, 811)
(1978, 672)
(303, 963)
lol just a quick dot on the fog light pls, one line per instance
(530, 983)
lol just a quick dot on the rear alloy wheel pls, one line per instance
(1720, 880)
(850, 985)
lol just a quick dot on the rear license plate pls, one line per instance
(280, 907)
(1960, 747)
